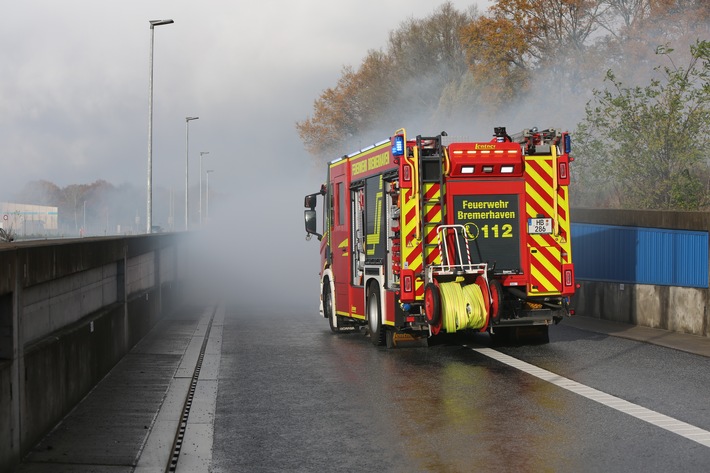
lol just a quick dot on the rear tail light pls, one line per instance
(407, 285)
(563, 170)
(568, 278)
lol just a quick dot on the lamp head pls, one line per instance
(160, 22)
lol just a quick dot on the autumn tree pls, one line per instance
(40, 192)
(422, 58)
(100, 205)
(499, 58)
(428, 55)
(519, 38)
(341, 113)
(540, 58)
(648, 147)
(633, 26)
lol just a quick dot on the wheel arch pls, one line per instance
(326, 279)
(378, 330)
(376, 282)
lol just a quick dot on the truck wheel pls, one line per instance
(432, 304)
(532, 335)
(496, 300)
(328, 308)
(543, 335)
(502, 336)
(374, 316)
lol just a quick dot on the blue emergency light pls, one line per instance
(568, 144)
(398, 145)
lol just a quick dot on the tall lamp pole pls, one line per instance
(187, 182)
(207, 205)
(149, 197)
(202, 153)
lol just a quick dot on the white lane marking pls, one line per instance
(678, 427)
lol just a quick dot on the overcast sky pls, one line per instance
(74, 83)
(74, 109)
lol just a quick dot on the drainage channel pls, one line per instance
(180, 434)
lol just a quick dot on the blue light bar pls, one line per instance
(568, 144)
(398, 145)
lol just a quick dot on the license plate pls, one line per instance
(537, 226)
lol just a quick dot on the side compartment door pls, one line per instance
(340, 244)
(546, 225)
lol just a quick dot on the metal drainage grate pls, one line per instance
(180, 435)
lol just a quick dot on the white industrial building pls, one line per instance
(28, 219)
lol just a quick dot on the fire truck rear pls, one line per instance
(419, 238)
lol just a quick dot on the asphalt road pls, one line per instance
(268, 392)
(294, 397)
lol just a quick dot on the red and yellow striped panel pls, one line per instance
(411, 247)
(546, 252)
(433, 216)
(545, 270)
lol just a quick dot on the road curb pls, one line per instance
(686, 342)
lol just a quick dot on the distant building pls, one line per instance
(28, 219)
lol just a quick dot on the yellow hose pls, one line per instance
(475, 306)
(461, 307)
(451, 303)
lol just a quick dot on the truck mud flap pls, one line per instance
(521, 335)
(407, 339)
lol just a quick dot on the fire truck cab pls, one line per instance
(419, 237)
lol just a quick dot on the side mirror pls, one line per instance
(310, 217)
(309, 201)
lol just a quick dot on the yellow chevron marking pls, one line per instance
(545, 201)
(540, 199)
(547, 285)
(419, 288)
(552, 267)
(374, 238)
(539, 240)
(344, 244)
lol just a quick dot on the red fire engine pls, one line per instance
(421, 238)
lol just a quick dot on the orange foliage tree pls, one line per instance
(422, 58)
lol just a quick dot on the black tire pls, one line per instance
(502, 336)
(328, 308)
(496, 289)
(543, 335)
(535, 335)
(432, 304)
(374, 316)
(519, 336)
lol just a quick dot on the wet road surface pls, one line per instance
(280, 392)
(295, 397)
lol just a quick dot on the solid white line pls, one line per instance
(670, 424)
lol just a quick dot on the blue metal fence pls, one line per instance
(640, 255)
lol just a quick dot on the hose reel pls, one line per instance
(454, 306)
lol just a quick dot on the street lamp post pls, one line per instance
(207, 204)
(187, 182)
(202, 153)
(149, 197)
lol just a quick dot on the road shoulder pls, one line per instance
(679, 341)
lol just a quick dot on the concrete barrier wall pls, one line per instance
(52, 305)
(8, 451)
(69, 311)
(679, 309)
